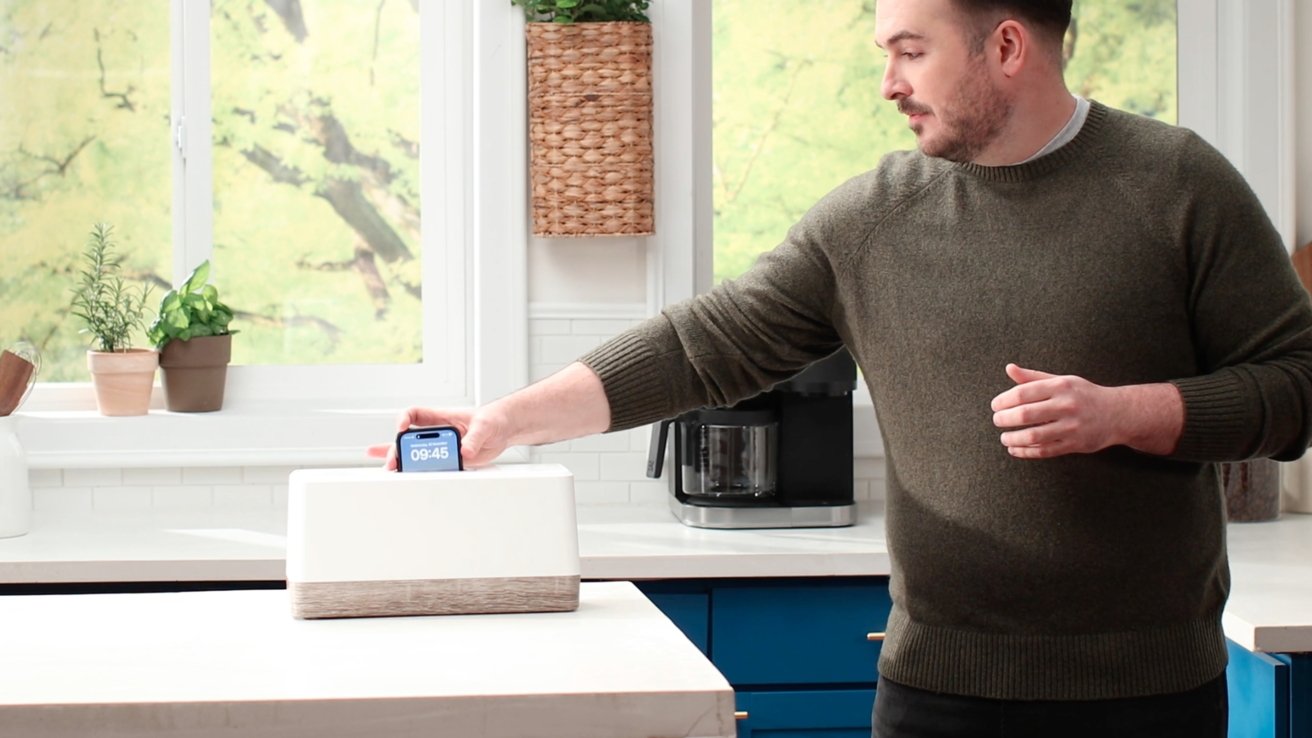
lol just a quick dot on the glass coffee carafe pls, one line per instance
(729, 453)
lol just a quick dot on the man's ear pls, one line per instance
(1013, 45)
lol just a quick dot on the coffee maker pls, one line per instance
(781, 459)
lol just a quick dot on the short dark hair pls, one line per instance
(1050, 17)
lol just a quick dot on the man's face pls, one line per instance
(953, 104)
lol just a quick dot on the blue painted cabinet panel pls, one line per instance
(1259, 694)
(806, 714)
(1300, 693)
(798, 634)
(690, 611)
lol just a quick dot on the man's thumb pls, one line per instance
(1021, 375)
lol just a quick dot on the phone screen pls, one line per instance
(428, 449)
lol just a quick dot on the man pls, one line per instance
(1065, 315)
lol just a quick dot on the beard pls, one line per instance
(972, 118)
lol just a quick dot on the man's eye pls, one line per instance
(911, 55)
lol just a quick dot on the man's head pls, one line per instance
(959, 69)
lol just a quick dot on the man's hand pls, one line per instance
(482, 433)
(568, 404)
(1057, 415)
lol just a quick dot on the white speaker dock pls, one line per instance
(370, 543)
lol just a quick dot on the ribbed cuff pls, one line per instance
(1216, 417)
(635, 386)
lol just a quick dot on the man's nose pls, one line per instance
(893, 87)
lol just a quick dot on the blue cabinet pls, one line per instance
(1259, 694)
(1270, 694)
(797, 651)
(797, 654)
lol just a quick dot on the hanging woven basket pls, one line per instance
(589, 109)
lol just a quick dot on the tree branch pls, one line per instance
(123, 100)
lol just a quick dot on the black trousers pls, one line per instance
(907, 712)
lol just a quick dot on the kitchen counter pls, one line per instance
(218, 663)
(1270, 607)
(616, 542)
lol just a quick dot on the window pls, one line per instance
(796, 106)
(337, 172)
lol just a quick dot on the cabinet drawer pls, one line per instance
(806, 714)
(798, 633)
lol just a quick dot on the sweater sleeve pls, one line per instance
(1252, 324)
(741, 337)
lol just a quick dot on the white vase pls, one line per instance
(15, 492)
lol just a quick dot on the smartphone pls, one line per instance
(428, 449)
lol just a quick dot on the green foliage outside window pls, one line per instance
(797, 108)
(315, 147)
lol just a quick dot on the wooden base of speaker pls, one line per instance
(433, 597)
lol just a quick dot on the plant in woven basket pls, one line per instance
(584, 11)
(589, 117)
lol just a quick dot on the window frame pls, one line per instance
(300, 415)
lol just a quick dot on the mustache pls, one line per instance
(910, 107)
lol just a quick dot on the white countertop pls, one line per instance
(1270, 606)
(615, 542)
(215, 663)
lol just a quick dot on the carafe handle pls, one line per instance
(656, 454)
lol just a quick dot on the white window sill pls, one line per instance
(265, 436)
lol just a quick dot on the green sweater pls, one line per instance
(1133, 254)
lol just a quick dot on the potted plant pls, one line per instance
(191, 332)
(122, 376)
(590, 112)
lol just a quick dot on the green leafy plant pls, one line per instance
(110, 308)
(584, 11)
(190, 311)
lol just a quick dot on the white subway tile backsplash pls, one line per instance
(602, 442)
(93, 477)
(263, 475)
(122, 498)
(585, 467)
(62, 499)
(640, 439)
(40, 478)
(601, 493)
(152, 477)
(212, 475)
(652, 492)
(182, 497)
(561, 350)
(552, 327)
(605, 328)
(243, 496)
(628, 466)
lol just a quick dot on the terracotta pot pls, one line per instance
(195, 373)
(123, 380)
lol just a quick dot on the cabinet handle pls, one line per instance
(874, 636)
(740, 715)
